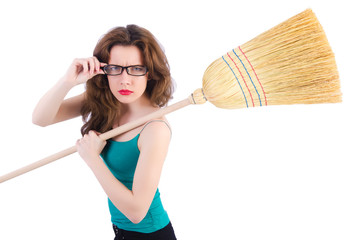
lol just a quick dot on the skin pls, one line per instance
(153, 142)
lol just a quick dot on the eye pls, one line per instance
(138, 70)
(113, 69)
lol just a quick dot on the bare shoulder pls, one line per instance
(155, 132)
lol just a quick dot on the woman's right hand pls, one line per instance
(83, 69)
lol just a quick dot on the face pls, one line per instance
(126, 88)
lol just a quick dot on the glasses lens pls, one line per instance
(137, 70)
(112, 69)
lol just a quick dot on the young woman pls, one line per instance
(128, 77)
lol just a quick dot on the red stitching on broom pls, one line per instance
(255, 75)
(243, 79)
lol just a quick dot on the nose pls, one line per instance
(124, 78)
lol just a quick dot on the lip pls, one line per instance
(125, 92)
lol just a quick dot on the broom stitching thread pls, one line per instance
(246, 101)
(249, 77)
(255, 75)
(202, 90)
(246, 85)
(192, 96)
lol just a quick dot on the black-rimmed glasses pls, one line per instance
(134, 70)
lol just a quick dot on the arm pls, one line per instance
(153, 144)
(52, 107)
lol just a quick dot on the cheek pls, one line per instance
(145, 83)
(142, 84)
(112, 86)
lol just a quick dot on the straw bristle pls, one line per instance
(291, 63)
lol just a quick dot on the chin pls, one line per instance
(127, 99)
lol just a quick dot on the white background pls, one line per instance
(278, 172)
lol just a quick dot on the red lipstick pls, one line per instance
(125, 92)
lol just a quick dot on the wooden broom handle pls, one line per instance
(107, 135)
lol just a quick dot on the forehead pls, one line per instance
(125, 55)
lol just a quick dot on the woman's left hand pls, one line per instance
(90, 147)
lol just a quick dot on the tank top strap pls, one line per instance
(157, 120)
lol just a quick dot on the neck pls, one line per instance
(138, 108)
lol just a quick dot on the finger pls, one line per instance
(77, 61)
(85, 66)
(92, 134)
(78, 65)
(98, 133)
(97, 64)
(101, 70)
(91, 65)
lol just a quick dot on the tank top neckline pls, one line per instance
(111, 140)
(157, 120)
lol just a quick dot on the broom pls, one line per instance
(291, 63)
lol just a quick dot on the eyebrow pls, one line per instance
(127, 65)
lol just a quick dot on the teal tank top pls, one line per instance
(121, 158)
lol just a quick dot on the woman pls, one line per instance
(127, 78)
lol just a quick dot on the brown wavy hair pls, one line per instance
(101, 109)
